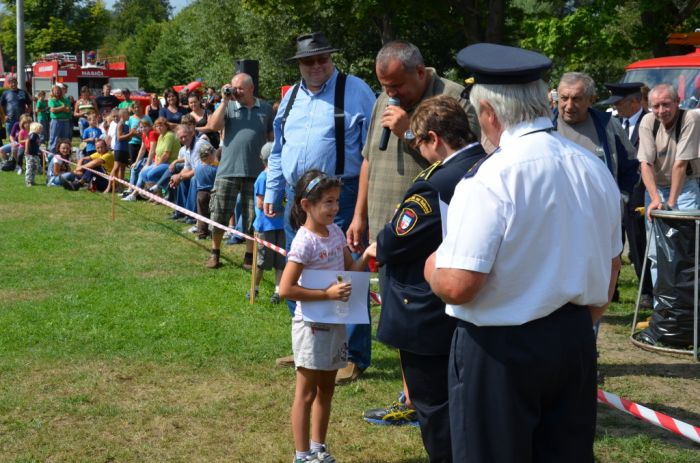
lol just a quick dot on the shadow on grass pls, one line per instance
(386, 367)
(625, 319)
(664, 370)
(619, 424)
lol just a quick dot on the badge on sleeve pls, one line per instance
(407, 220)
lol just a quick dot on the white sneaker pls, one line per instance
(131, 197)
(18, 170)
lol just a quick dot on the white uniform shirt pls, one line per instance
(541, 216)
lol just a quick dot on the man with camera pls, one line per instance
(247, 125)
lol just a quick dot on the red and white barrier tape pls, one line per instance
(650, 416)
(374, 296)
(180, 209)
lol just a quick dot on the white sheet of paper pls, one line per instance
(326, 311)
(443, 216)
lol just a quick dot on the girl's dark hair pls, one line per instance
(311, 186)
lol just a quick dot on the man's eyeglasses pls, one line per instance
(320, 60)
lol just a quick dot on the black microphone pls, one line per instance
(387, 131)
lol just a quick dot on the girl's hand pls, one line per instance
(339, 291)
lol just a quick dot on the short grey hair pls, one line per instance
(245, 79)
(667, 87)
(513, 104)
(408, 54)
(573, 78)
(185, 128)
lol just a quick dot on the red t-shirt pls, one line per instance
(148, 138)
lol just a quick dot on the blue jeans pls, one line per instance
(136, 170)
(687, 199)
(153, 174)
(359, 336)
(60, 129)
(187, 194)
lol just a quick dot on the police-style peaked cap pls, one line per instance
(491, 63)
(621, 90)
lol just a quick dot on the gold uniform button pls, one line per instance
(405, 301)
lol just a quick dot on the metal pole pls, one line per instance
(21, 78)
(695, 292)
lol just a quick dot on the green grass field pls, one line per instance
(117, 345)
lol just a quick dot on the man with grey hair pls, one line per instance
(247, 125)
(668, 157)
(527, 265)
(597, 131)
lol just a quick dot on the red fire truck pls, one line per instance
(681, 71)
(75, 72)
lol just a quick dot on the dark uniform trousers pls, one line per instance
(524, 393)
(413, 319)
(634, 226)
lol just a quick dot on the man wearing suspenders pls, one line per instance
(322, 124)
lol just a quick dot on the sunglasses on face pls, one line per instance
(314, 60)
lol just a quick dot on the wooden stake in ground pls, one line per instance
(114, 198)
(254, 272)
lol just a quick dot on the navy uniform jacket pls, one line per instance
(412, 317)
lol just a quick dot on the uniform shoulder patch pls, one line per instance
(427, 172)
(406, 221)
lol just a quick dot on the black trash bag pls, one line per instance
(672, 320)
(9, 166)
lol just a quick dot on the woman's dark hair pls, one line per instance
(311, 186)
(169, 92)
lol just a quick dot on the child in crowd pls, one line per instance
(32, 153)
(57, 167)
(111, 122)
(320, 349)
(121, 147)
(270, 229)
(204, 175)
(42, 112)
(91, 134)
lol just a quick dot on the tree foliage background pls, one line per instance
(204, 40)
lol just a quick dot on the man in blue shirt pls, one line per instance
(14, 102)
(305, 138)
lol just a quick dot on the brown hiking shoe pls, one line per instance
(284, 362)
(213, 261)
(348, 374)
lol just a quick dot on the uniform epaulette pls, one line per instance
(426, 173)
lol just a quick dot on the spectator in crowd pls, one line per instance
(200, 117)
(204, 177)
(61, 114)
(91, 134)
(668, 155)
(101, 160)
(172, 112)
(247, 125)
(15, 148)
(189, 158)
(14, 102)
(386, 174)
(166, 151)
(153, 108)
(306, 138)
(42, 112)
(121, 148)
(83, 107)
(32, 155)
(134, 122)
(413, 319)
(211, 98)
(626, 98)
(522, 361)
(56, 166)
(127, 103)
(106, 102)
(597, 131)
(270, 229)
(146, 154)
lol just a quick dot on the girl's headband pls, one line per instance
(313, 183)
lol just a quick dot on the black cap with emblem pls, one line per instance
(491, 63)
(621, 90)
